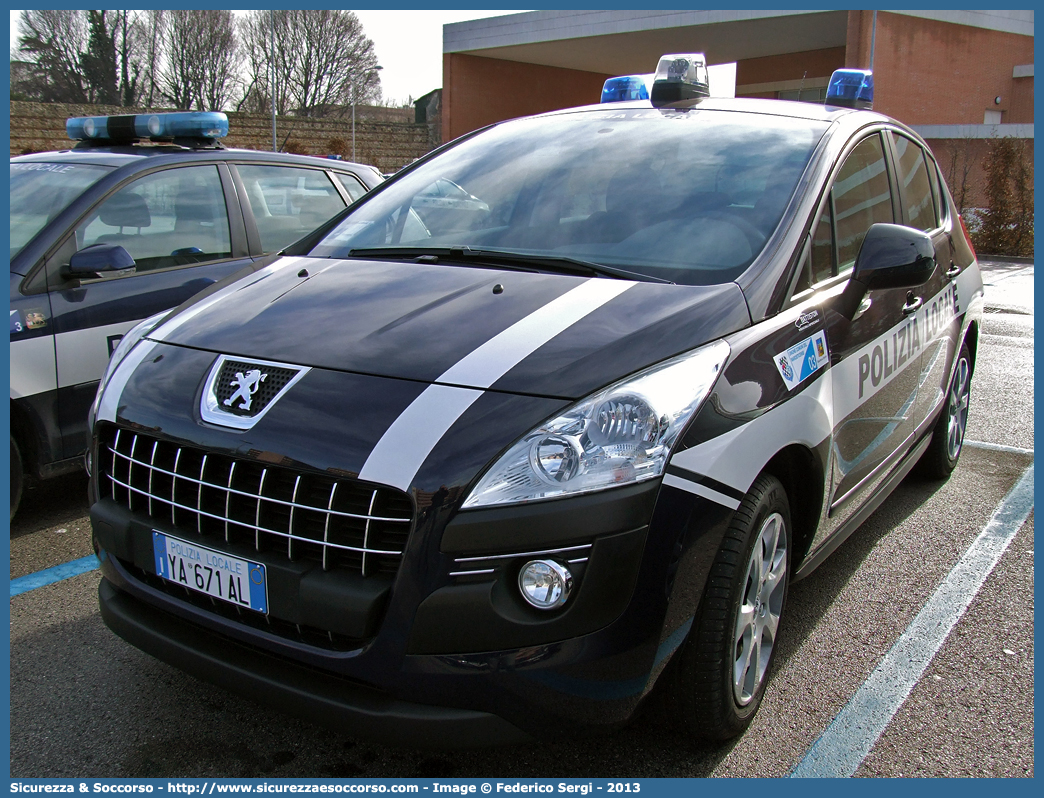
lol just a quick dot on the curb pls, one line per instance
(1006, 258)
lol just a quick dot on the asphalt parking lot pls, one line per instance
(84, 703)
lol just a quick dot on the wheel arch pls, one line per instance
(971, 338)
(37, 442)
(24, 433)
(801, 474)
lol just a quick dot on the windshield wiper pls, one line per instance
(506, 259)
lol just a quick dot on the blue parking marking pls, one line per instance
(49, 576)
(853, 733)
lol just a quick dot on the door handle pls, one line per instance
(953, 271)
(912, 304)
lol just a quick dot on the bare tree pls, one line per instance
(52, 41)
(202, 61)
(98, 62)
(320, 58)
(150, 28)
(220, 60)
(264, 34)
(959, 170)
(128, 44)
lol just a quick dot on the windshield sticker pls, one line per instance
(16, 322)
(42, 167)
(802, 360)
(663, 113)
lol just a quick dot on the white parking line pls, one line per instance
(998, 447)
(844, 745)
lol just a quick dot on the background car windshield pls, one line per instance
(40, 191)
(688, 196)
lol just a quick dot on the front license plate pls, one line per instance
(212, 573)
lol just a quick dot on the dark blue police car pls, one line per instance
(186, 213)
(496, 475)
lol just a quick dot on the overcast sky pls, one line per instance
(409, 48)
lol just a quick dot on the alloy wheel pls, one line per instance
(957, 410)
(757, 620)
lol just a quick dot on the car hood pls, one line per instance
(519, 332)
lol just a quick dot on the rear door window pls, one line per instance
(289, 202)
(915, 186)
(351, 184)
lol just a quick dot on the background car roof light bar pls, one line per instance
(195, 125)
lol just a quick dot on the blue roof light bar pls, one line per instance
(625, 87)
(131, 127)
(851, 88)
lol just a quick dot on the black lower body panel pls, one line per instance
(297, 689)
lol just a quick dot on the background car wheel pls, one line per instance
(17, 477)
(940, 458)
(717, 684)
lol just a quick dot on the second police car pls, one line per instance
(142, 213)
(495, 478)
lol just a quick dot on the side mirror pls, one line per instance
(99, 258)
(891, 256)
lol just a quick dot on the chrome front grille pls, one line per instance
(341, 523)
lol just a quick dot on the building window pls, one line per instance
(814, 95)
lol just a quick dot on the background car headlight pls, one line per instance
(622, 434)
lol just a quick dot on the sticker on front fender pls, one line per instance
(802, 360)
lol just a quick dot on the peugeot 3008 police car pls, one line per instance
(144, 212)
(492, 477)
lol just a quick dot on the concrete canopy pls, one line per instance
(620, 42)
(932, 67)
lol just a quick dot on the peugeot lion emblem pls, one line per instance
(247, 385)
(239, 391)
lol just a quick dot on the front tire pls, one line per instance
(940, 458)
(723, 667)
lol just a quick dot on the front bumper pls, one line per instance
(296, 689)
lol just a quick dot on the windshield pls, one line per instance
(40, 191)
(685, 196)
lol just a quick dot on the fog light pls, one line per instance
(545, 584)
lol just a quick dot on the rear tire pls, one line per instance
(17, 477)
(718, 682)
(942, 454)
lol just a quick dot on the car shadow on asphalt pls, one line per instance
(52, 502)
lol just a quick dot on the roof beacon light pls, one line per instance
(625, 87)
(851, 88)
(680, 77)
(196, 125)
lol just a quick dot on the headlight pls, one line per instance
(620, 435)
(126, 344)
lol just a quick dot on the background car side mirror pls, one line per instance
(891, 256)
(99, 258)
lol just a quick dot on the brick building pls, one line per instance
(957, 77)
